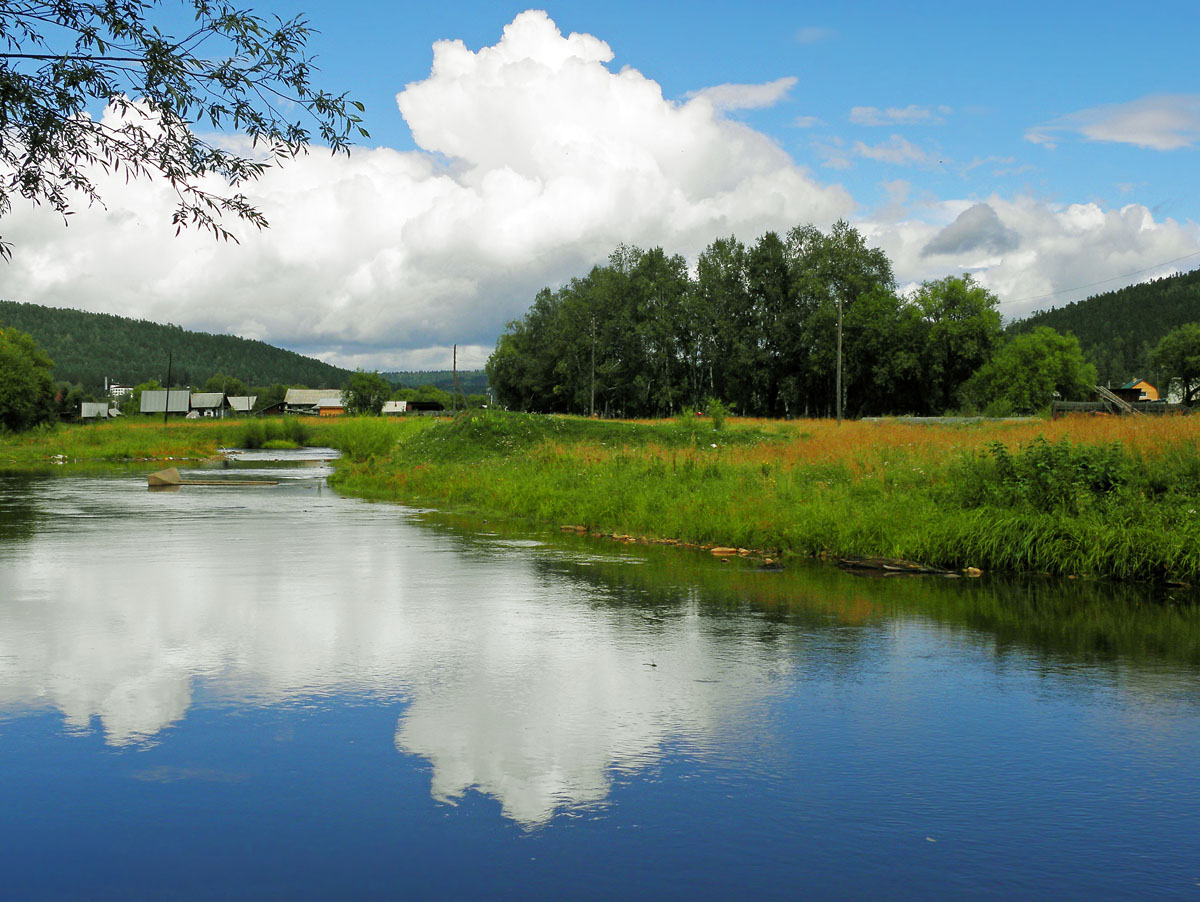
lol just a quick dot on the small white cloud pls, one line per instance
(807, 122)
(813, 34)
(909, 115)
(896, 150)
(746, 97)
(1157, 122)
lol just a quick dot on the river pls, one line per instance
(276, 691)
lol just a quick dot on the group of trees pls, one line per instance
(26, 389)
(757, 326)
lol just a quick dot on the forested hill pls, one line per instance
(87, 347)
(1118, 330)
(470, 382)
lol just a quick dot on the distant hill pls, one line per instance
(1118, 329)
(470, 382)
(87, 347)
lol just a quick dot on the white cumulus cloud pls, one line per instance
(534, 161)
(1035, 255)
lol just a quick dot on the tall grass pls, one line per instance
(1102, 497)
(282, 431)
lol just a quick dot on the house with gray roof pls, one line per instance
(96, 410)
(209, 403)
(307, 401)
(241, 403)
(157, 401)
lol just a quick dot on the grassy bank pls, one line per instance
(1096, 496)
(145, 439)
(1106, 497)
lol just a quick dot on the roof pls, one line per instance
(1136, 383)
(90, 409)
(335, 401)
(206, 399)
(308, 397)
(242, 403)
(154, 400)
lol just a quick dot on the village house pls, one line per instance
(97, 410)
(157, 401)
(307, 401)
(332, 406)
(241, 403)
(1136, 390)
(209, 404)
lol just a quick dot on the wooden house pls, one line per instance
(307, 401)
(331, 406)
(1136, 390)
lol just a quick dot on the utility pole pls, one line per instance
(839, 361)
(167, 401)
(454, 397)
(592, 406)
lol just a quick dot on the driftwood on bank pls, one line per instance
(889, 567)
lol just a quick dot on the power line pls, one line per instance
(1136, 272)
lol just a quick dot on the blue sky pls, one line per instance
(1000, 69)
(1042, 147)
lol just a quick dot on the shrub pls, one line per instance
(717, 412)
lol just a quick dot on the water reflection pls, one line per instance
(534, 674)
(18, 508)
(517, 683)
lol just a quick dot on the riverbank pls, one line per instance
(1113, 498)
(150, 440)
(1082, 497)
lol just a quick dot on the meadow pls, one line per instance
(1089, 496)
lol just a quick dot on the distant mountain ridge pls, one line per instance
(88, 347)
(470, 382)
(1118, 329)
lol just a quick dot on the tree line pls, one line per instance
(756, 326)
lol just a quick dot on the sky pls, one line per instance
(1050, 150)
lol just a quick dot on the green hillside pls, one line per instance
(87, 347)
(1118, 329)
(470, 382)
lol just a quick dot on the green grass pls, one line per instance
(1117, 500)
(1061, 508)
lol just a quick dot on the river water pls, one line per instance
(274, 691)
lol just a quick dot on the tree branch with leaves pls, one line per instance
(231, 71)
